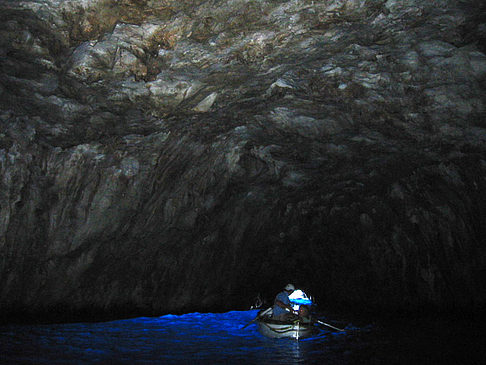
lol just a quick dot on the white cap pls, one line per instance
(289, 287)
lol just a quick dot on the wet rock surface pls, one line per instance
(162, 156)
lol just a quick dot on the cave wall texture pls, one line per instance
(167, 156)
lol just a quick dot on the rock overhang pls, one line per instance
(178, 129)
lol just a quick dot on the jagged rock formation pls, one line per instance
(161, 156)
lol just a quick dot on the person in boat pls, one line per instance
(304, 314)
(282, 309)
(258, 302)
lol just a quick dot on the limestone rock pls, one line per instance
(214, 150)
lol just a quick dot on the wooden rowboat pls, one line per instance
(277, 329)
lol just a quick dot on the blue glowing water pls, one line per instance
(212, 338)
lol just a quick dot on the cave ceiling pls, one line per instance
(221, 135)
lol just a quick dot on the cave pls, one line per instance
(179, 156)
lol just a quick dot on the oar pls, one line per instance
(320, 322)
(328, 325)
(258, 316)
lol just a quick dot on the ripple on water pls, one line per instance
(209, 338)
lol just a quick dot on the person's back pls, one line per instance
(282, 308)
(283, 298)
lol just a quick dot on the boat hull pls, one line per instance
(277, 329)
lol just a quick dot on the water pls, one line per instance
(218, 338)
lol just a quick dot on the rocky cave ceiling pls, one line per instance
(218, 149)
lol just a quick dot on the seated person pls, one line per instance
(304, 314)
(282, 308)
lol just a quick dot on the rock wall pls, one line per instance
(162, 156)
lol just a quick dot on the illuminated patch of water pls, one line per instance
(211, 339)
